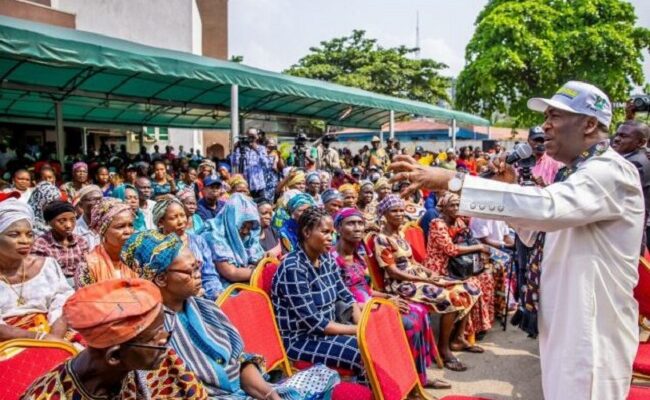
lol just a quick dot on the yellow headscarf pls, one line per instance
(347, 186)
(299, 177)
(236, 180)
(381, 183)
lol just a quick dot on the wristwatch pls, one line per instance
(455, 185)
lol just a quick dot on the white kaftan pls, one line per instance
(588, 333)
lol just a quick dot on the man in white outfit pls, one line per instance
(593, 219)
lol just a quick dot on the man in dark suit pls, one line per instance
(630, 142)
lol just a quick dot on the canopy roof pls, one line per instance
(103, 80)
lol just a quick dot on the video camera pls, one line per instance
(641, 103)
(300, 149)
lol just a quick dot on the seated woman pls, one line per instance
(289, 231)
(441, 247)
(203, 336)
(350, 226)
(349, 194)
(413, 282)
(233, 237)
(60, 243)
(238, 184)
(310, 298)
(129, 195)
(33, 289)
(368, 206)
(103, 180)
(382, 188)
(113, 222)
(195, 223)
(332, 201)
(169, 216)
(313, 187)
(161, 184)
(43, 194)
(132, 361)
(269, 237)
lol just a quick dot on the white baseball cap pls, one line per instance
(578, 98)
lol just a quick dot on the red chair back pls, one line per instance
(23, 361)
(642, 290)
(639, 393)
(263, 276)
(391, 369)
(376, 274)
(250, 311)
(414, 235)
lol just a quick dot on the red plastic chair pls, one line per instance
(641, 366)
(250, 310)
(642, 290)
(463, 398)
(22, 361)
(414, 235)
(639, 393)
(376, 274)
(262, 277)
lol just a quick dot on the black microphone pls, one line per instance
(520, 152)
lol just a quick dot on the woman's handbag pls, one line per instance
(467, 265)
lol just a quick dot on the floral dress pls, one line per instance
(446, 297)
(417, 323)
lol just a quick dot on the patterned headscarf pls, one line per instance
(160, 208)
(85, 190)
(299, 177)
(150, 253)
(43, 193)
(329, 195)
(447, 198)
(236, 180)
(78, 165)
(390, 201)
(222, 232)
(381, 183)
(347, 187)
(313, 177)
(102, 214)
(12, 210)
(187, 193)
(345, 214)
(298, 201)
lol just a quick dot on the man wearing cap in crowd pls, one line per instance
(208, 207)
(121, 321)
(328, 159)
(545, 167)
(593, 216)
(378, 155)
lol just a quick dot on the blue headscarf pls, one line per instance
(298, 201)
(222, 232)
(150, 253)
(119, 192)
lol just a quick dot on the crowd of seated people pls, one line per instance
(160, 242)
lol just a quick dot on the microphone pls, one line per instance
(520, 152)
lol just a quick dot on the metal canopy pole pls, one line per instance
(140, 139)
(453, 133)
(234, 115)
(391, 124)
(84, 141)
(60, 134)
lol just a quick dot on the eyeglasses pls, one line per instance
(169, 316)
(196, 269)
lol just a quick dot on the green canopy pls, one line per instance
(102, 80)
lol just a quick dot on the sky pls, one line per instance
(274, 34)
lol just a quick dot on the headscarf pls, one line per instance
(150, 253)
(12, 210)
(187, 193)
(78, 165)
(345, 214)
(114, 311)
(236, 180)
(43, 193)
(207, 163)
(160, 208)
(223, 232)
(102, 214)
(56, 208)
(298, 177)
(224, 165)
(85, 190)
(390, 201)
(381, 183)
(119, 192)
(298, 201)
(329, 195)
(366, 184)
(347, 187)
(325, 176)
(313, 177)
(447, 198)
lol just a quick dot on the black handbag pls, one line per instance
(467, 265)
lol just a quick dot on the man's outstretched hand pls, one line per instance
(420, 177)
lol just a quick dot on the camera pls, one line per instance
(300, 150)
(641, 103)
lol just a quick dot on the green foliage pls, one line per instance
(237, 59)
(360, 62)
(527, 48)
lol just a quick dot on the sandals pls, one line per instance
(437, 384)
(469, 349)
(455, 364)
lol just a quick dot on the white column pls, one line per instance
(84, 141)
(60, 134)
(234, 115)
(488, 132)
(453, 133)
(391, 124)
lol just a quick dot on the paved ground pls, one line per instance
(509, 369)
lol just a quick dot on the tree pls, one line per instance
(360, 62)
(527, 48)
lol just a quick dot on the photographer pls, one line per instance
(328, 158)
(250, 157)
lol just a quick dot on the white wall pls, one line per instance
(169, 24)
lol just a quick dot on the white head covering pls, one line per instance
(12, 210)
